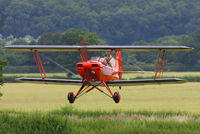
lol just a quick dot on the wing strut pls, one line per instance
(83, 89)
(109, 57)
(161, 63)
(39, 64)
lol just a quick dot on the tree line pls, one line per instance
(176, 61)
(3, 63)
(132, 22)
(116, 22)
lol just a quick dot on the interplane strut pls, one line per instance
(39, 64)
(160, 63)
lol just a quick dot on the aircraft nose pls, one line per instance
(87, 65)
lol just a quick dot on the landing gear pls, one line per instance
(87, 87)
(116, 97)
(71, 97)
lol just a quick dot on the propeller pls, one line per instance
(85, 59)
(84, 50)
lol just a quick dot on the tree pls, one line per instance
(49, 39)
(117, 22)
(2, 64)
(192, 40)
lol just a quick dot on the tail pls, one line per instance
(118, 64)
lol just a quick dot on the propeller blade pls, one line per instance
(87, 75)
(84, 50)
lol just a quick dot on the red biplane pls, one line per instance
(100, 71)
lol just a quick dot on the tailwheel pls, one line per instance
(116, 97)
(71, 97)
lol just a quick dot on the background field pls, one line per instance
(32, 97)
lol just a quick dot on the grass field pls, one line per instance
(36, 108)
(33, 97)
(154, 109)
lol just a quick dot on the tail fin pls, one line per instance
(118, 64)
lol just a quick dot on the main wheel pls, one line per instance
(116, 97)
(71, 97)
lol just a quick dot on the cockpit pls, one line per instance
(95, 58)
(102, 60)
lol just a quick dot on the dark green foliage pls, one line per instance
(20, 42)
(49, 39)
(74, 37)
(117, 22)
(0, 21)
(2, 65)
(192, 40)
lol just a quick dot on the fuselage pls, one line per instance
(96, 71)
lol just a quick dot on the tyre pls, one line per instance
(116, 97)
(71, 97)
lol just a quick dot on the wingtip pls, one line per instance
(19, 79)
(192, 49)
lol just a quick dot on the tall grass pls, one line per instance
(27, 123)
(70, 120)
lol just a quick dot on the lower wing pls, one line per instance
(109, 83)
(145, 82)
(51, 81)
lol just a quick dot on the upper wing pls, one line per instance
(145, 82)
(47, 48)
